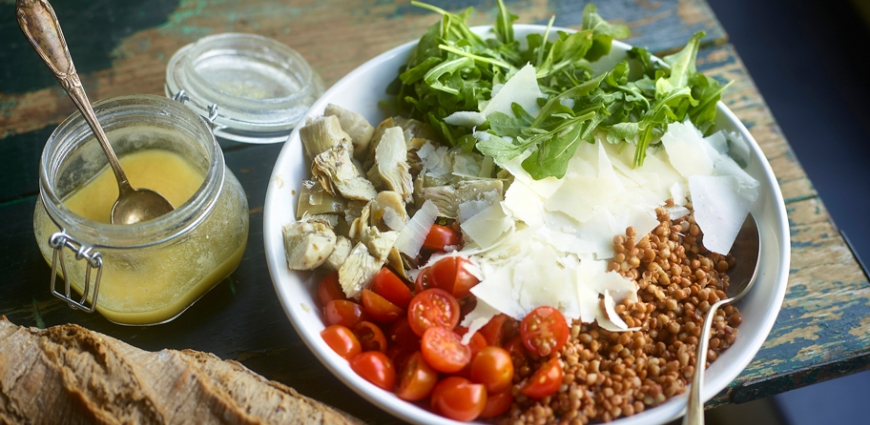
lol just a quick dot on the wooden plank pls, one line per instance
(333, 35)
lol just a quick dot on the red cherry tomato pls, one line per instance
(497, 404)
(370, 336)
(416, 379)
(422, 282)
(451, 274)
(440, 237)
(343, 312)
(329, 289)
(458, 398)
(517, 350)
(391, 287)
(379, 309)
(493, 368)
(544, 331)
(341, 340)
(475, 344)
(400, 355)
(375, 367)
(444, 351)
(493, 330)
(400, 333)
(545, 381)
(433, 307)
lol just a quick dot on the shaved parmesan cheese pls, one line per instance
(719, 210)
(524, 204)
(544, 187)
(487, 226)
(686, 150)
(738, 148)
(411, 237)
(677, 211)
(612, 322)
(465, 118)
(747, 186)
(522, 89)
(392, 219)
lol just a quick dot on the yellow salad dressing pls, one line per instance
(154, 284)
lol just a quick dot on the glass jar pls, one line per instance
(149, 272)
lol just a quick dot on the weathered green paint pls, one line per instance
(93, 29)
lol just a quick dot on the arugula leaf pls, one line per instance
(504, 24)
(603, 32)
(556, 149)
(500, 149)
(682, 67)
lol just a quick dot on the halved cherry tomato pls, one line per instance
(422, 282)
(343, 312)
(379, 308)
(440, 237)
(400, 333)
(544, 331)
(458, 398)
(375, 367)
(444, 351)
(393, 288)
(329, 289)
(545, 381)
(451, 274)
(433, 307)
(370, 336)
(493, 330)
(341, 340)
(400, 354)
(497, 403)
(493, 368)
(416, 379)
(517, 349)
(475, 344)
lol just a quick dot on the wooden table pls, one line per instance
(822, 332)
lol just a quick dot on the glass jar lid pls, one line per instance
(254, 89)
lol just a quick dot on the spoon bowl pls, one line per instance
(41, 28)
(747, 250)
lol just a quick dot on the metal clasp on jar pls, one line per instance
(94, 260)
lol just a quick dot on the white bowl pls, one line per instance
(360, 91)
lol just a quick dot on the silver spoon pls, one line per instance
(747, 251)
(39, 24)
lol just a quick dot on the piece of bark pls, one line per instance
(70, 375)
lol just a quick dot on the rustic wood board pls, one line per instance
(822, 331)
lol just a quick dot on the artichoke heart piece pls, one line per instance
(379, 243)
(356, 126)
(358, 270)
(339, 254)
(320, 135)
(392, 164)
(307, 245)
(388, 211)
(476, 190)
(411, 129)
(335, 171)
(314, 200)
(444, 197)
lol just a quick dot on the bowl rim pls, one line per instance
(386, 400)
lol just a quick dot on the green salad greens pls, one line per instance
(452, 69)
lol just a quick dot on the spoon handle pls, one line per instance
(695, 407)
(41, 28)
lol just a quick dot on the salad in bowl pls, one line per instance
(522, 224)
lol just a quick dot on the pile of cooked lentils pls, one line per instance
(607, 375)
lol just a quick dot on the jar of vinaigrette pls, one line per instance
(149, 272)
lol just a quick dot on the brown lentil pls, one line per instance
(607, 375)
